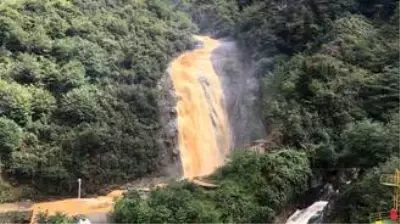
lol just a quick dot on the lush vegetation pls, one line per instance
(329, 83)
(336, 95)
(217, 17)
(78, 96)
(252, 188)
(58, 218)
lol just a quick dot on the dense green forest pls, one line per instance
(252, 188)
(78, 99)
(329, 74)
(333, 88)
(78, 96)
(335, 94)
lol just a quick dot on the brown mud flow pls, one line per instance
(204, 130)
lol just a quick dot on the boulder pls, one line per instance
(16, 216)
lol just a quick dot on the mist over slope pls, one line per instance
(241, 91)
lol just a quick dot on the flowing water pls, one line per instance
(204, 130)
(313, 214)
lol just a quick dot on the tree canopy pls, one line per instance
(329, 77)
(78, 96)
(251, 188)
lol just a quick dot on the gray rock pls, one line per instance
(16, 216)
(99, 218)
(241, 89)
(168, 139)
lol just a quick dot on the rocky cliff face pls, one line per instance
(241, 90)
(169, 157)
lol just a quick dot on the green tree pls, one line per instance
(15, 102)
(10, 139)
(81, 78)
(43, 103)
(365, 145)
(251, 188)
(82, 104)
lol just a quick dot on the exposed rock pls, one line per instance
(16, 216)
(241, 89)
(203, 184)
(101, 217)
(344, 177)
(169, 157)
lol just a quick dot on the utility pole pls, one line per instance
(79, 187)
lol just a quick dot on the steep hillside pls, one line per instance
(79, 99)
(329, 75)
(78, 96)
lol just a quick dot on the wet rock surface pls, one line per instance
(100, 218)
(20, 215)
(169, 157)
(241, 91)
